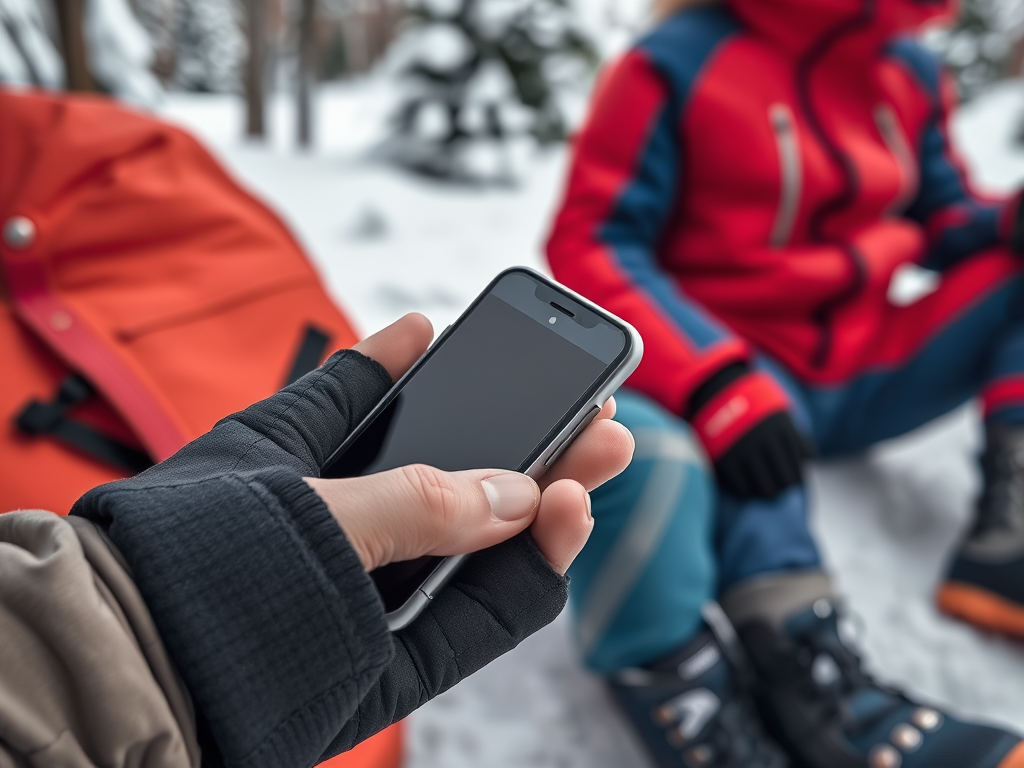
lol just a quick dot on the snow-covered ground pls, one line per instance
(388, 244)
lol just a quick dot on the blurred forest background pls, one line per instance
(466, 73)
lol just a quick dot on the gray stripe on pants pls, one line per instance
(673, 455)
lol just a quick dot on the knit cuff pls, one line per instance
(264, 606)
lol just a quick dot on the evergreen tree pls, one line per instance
(210, 47)
(198, 44)
(160, 20)
(120, 52)
(113, 51)
(477, 73)
(27, 56)
(978, 48)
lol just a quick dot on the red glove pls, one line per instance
(742, 418)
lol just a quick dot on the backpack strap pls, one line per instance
(309, 354)
(46, 313)
(39, 418)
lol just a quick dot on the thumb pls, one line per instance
(418, 510)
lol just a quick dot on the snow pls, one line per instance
(442, 243)
(985, 129)
(209, 48)
(388, 244)
(22, 27)
(440, 46)
(120, 52)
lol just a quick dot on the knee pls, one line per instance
(659, 434)
(669, 469)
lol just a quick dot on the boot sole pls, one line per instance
(1015, 759)
(988, 611)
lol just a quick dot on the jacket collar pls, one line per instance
(798, 25)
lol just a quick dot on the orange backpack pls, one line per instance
(144, 295)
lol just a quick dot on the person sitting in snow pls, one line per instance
(750, 177)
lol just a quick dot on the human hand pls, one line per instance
(419, 510)
(500, 595)
(766, 460)
(227, 531)
(750, 436)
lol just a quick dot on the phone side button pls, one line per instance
(573, 435)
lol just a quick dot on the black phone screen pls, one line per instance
(510, 374)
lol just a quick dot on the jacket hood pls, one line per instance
(799, 24)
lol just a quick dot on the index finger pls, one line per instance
(602, 451)
(399, 345)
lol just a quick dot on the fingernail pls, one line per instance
(512, 496)
(590, 513)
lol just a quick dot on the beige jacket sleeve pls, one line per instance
(84, 677)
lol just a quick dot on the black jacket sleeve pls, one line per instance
(264, 607)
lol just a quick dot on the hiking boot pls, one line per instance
(691, 710)
(985, 584)
(820, 704)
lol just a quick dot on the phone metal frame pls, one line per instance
(589, 405)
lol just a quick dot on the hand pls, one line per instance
(418, 510)
(746, 428)
(227, 530)
(765, 461)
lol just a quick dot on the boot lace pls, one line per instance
(731, 738)
(831, 672)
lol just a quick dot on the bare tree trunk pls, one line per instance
(70, 16)
(353, 26)
(1015, 61)
(255, 72)
(386, 17)
(1015, 65)
(307, 72)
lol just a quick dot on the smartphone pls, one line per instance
(509, 385)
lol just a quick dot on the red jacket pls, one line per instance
(750, 177)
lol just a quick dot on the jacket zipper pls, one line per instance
(823, 315)
(896, 142)
(790, 171)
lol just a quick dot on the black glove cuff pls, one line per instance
(715, 384)
(266, 610)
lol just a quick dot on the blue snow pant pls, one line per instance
(665, 541)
